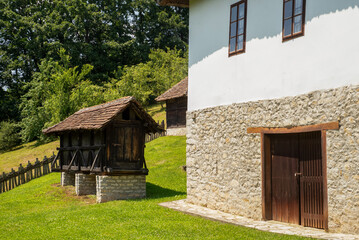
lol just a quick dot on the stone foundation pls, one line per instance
(176, 131)
(111, 188)
(224, 162)
(67, 179)
(85, 184)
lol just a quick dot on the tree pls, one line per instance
(103, 34)
(148, 80)
(57, 91)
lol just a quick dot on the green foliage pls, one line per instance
(41, 209)
(9, 135)
(56, 92)
(103, 34)
(148, 80)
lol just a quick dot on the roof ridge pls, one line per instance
(115, 102)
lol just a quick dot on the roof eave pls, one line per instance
(175, 3)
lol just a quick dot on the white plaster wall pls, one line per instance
(326, 57)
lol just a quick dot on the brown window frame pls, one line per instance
(298, 34)
(236, 52)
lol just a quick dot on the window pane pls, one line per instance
(234, 14)
(232, 45)
(240, 43)
(298, 7)
(241, 27)
(298, 24)
(287, 27)
(288, 9)
(233, 29)
(241, 11)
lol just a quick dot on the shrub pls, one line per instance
(9, 135)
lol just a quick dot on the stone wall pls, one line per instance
(224, 162)
(67, 179)
(176, 131)
(111, 188)
(85, 184)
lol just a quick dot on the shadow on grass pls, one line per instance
(155, 191)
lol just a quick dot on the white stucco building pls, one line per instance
(273, 109)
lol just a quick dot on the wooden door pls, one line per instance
(311, 180)
(297, 179)
(285, 185)
(125, 147)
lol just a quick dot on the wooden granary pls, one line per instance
(176, 107)
(105, 139)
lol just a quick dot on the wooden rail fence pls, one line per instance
(23, 175)
(153, 136)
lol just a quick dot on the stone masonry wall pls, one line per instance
(224, 162)
(111, 188)
(67, 179)
(85, 184)
(176, 131)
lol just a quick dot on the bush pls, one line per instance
(9, 135)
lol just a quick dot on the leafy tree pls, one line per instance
(148, 80)
(9, 135)
(103, 34)
(57, 91)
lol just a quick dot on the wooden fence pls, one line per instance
(23, 175)
(153, 136)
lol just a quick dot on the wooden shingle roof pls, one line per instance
(97, 117)
(178, 90)
(178, 3)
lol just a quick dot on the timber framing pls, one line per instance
(298, 129)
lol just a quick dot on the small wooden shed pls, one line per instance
(107, 138)
(176, 106)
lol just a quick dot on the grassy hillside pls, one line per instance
(42, 209)
(157, 112)
(24, 153)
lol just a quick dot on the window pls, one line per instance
(293, 19)
(237, 28)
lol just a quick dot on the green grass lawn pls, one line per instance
(24, 153)
(42, 209)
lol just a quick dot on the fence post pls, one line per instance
(20, 177)
(5, 181)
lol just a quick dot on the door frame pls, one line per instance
(266, 162)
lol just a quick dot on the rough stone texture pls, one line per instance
(67, 179)
(176, 132)
(224, 162)
(111, 188)
(85, 184)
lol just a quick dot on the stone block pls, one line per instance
(67, 179)
(85, 184)
(110, 188)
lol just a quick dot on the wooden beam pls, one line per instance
(298, 129)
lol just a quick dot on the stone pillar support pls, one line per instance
(67, 179)
(85, 184)
(111, 188)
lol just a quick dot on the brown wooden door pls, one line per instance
(297, 179)
(311, 180)
(125, 147)
(285, 185)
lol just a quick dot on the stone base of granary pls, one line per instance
(111, 188)
(67, 179)
(224, 161)
(85, 184)
(176, 131)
